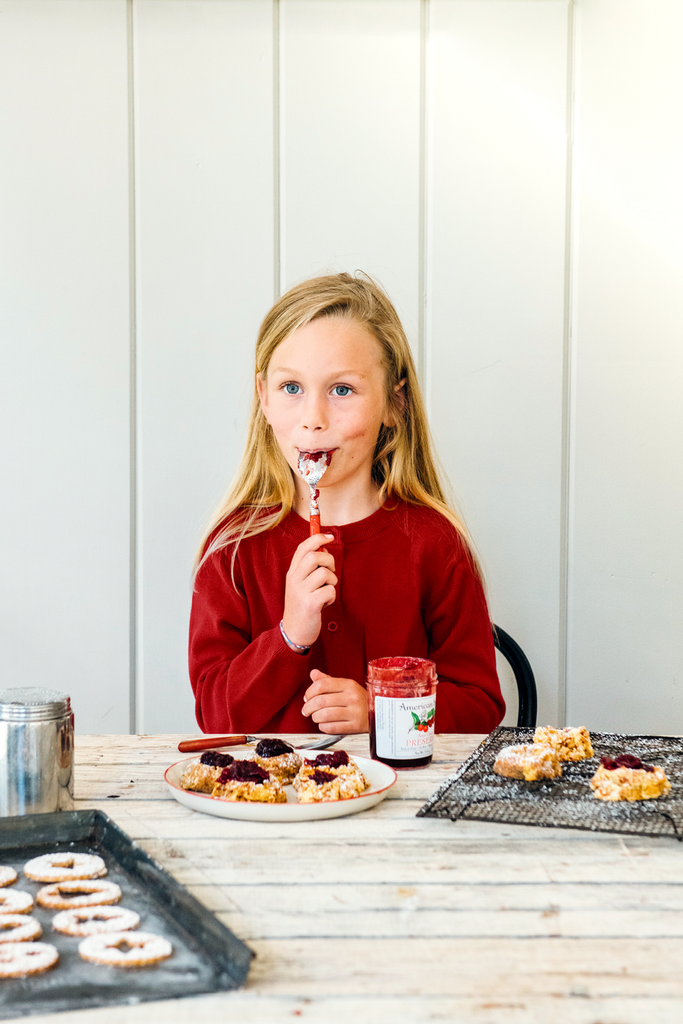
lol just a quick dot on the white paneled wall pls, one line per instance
(626, 622)
(496, 298)
(168, 166)
(205, 231)
(64, 331)
(350, 142)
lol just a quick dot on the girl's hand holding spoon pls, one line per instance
(310, 587)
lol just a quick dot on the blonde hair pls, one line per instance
(262, 492)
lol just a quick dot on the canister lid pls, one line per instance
(33, 704)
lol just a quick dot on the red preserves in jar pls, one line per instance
(401, 708)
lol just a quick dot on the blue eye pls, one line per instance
(292, 389)
(341, 390)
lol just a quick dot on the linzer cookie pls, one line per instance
(16, 901)
(61, 867)
(18, 959)
(95, 920)
(65, 895)
(125, 949)
(19, 928)
(8, 875)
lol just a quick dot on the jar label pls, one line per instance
(404, 726)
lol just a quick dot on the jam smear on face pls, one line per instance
(337, 759)
(215, 760)
(243, 771)
(272, 748)
(625, 761)
(320, 777)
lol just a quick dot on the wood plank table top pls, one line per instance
(382, 916)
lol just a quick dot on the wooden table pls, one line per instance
(385, 917)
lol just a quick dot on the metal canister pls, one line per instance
(36, 751)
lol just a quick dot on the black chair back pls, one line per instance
(524, 676)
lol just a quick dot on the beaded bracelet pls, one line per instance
(297, 648)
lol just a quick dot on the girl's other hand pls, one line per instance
(337, 705)
(309, 588)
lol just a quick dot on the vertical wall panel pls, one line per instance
(204, 137)
(64, 323)
(496, 297)
(350, 109)
(627, 594)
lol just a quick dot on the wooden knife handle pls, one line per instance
(210, 743)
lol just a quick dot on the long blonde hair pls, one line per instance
(262, 492)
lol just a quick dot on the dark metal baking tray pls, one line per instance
(475, 791)
(207, 957)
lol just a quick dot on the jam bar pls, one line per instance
(278, 758)
(570, 744)
(329, 777)
(529, 761)
(627, 778)
(202, 774)
(246, 780)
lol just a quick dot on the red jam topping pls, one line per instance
(320, 777)
(337, 759)
(243, 771)
(625, 761)
(216, 760)
(272, 748)
(316, 456)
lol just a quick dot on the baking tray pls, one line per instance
(475, 791)
(207, 957)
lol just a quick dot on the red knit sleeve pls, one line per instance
(469, 698)
(239, 684)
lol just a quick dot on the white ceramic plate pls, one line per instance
(380, 776)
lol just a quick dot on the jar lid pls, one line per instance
(33, 704)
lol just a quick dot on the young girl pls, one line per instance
(283, 623)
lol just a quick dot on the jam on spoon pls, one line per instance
(311, 467)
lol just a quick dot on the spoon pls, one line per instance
(311, 467)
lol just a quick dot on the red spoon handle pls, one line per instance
(209, 743)
(315, 525)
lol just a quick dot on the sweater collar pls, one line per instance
(351, 533)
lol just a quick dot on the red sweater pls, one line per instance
(406, 587)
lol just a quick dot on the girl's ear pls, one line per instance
(262, 388)
(399, 391)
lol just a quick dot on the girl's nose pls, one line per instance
(314, 413)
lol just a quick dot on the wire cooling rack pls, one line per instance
(475, 791)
